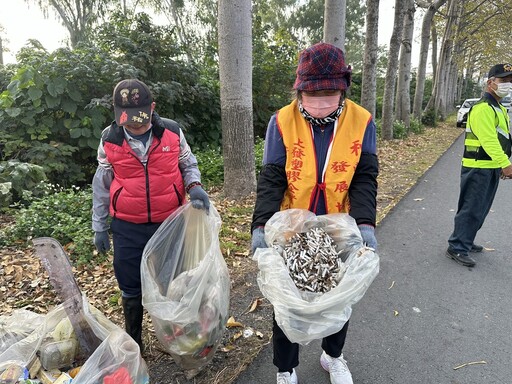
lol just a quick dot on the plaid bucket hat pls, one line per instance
(132, 102)
(322, 66)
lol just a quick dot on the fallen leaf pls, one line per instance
(255, 305)
(227, 348)
(395, 312)
(237, 335)
(471, 363)
(392, 284)
(232, 323)
(259, 334)
(19, 274)
(419, 199)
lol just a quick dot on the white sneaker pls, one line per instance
(337, 368)
(287, 378)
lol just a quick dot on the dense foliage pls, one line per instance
(64, 214)
(55, 106)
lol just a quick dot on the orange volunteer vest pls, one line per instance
(343, 156)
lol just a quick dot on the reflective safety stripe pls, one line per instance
(501, 131)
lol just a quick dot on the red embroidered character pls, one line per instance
(356, 146)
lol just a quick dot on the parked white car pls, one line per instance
(462, 114)
(506, 102)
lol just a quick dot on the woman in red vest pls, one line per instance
(320, 154)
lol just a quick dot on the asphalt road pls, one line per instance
(446, 315)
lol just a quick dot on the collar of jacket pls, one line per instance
(116, 134)
(491, 100)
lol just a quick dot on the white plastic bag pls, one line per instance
(306, 316)
(185, 285)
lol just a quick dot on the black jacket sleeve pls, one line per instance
(272, 184)
(363, 190)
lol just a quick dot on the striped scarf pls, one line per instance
(324, 120)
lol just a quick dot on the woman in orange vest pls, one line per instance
(320, 154)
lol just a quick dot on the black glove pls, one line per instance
(199, 198)
(258, 239)
(102, 241)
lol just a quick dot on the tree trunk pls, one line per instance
(78, 17)
(1, 52)
(434, 52)
(369, 78)
(422, 65)
(176, 14)
(403, 97)
(235, 68)
(389, 87)
(334, 22)
(440, 92)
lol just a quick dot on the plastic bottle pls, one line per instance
(58, 354)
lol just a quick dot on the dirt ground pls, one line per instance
(24, 283)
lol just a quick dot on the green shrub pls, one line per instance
(18, 180)
(211, 163)
(258, 154)
(378, 125)
(429, 118)
(399, 130)
(416, 126)
(64, 214)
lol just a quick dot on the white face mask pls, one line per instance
(503, 89)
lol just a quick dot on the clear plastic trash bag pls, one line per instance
(306, 316)
(118, 356)
(185, 285)
(117, 351)
(17, 326)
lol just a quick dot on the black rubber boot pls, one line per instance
(133, 313)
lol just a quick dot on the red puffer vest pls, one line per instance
(147, 194)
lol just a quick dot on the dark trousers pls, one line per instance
(286, 353)
(129, 241)
(477, 190)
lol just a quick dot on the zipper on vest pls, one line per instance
(146, 177)
(148, 194)
(147, 189)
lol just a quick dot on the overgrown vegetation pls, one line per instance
(65, 213)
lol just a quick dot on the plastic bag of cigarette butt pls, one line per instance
(302, 314)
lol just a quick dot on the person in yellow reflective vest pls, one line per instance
(487, 149)
(320, 154)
